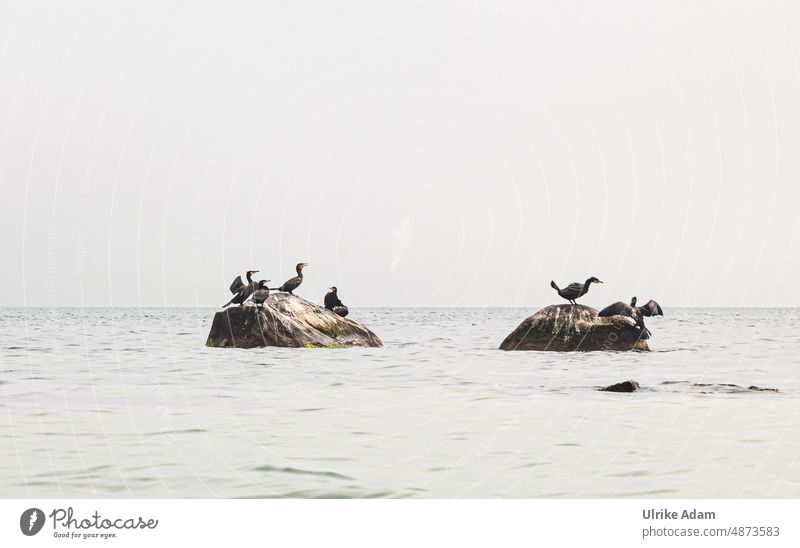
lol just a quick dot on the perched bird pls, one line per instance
(237, 284)
(575, 289)
(292, 283)
(650, 309)
(333, 303)
(261, 294)
(332, 299)
(240, 290)
(630, 311)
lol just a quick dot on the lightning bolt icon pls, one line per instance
(34, 515)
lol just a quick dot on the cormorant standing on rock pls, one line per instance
(261, 294)
(575, 289)
(241, 291)
(630, 311)
(333, 303)
(650, 309)
(292, 283)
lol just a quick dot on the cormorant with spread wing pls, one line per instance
(630, 311)
(241, 291)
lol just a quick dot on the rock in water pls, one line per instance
(624, 386)
(289, 321)
(567, 327)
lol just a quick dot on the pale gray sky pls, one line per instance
(417, 153)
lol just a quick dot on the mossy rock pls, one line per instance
(288, 321)
(567, 327)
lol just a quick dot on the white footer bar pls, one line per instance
(240, 523)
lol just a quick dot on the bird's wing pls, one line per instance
(652, 308)
(572, 291)
(292, 283)
(656, 308)
(617, 309)
(237, 285)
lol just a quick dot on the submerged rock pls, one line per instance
(567, 327)
(289, 321)
(624, 386)
(717, 388)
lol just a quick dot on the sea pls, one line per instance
(129, 402)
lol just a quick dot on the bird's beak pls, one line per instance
(598, 282)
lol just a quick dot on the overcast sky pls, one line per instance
(415, 153)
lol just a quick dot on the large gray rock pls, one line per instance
(286, 320)
(567, 327)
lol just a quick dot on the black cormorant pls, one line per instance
(652, 308)
(261, 294)
(333, 303)
(292, 283)
(240, 290)
(575, 289)
(630, 311)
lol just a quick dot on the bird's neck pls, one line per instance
(586, 285)
(249, 278)
(299, 272)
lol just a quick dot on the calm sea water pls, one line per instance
(130, 403)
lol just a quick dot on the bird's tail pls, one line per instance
(554, 286)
